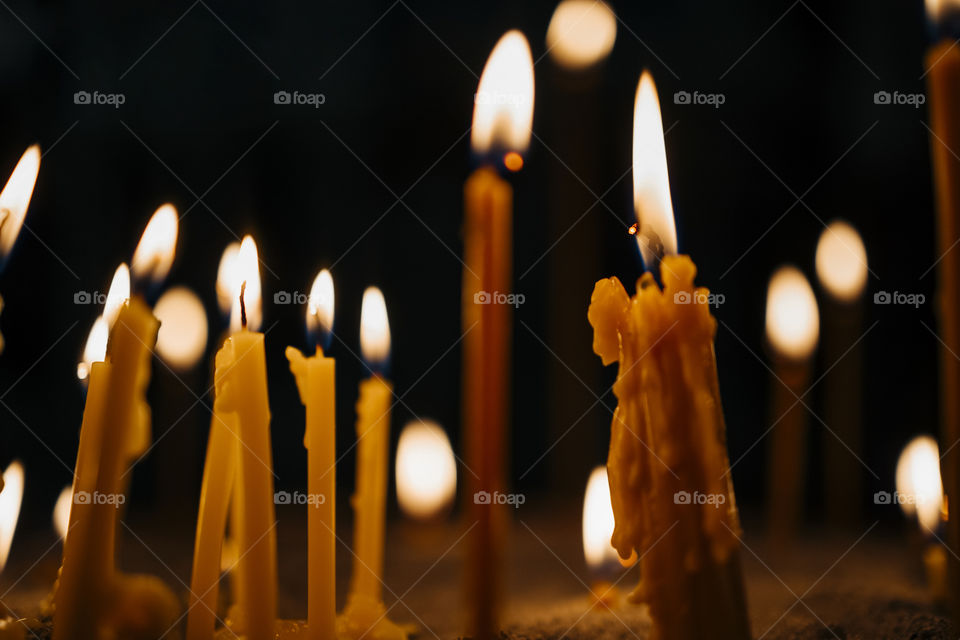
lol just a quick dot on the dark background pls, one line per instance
(319, 187)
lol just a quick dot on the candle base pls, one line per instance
(366, 618)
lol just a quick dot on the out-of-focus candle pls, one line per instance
(920, 496)
(426, 471)
(581, 33)
(598, 521)
(61, 512)
(183, 328)
(10, 499)
(841, 261)
(227, 286)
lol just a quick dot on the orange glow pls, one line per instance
(374, 327)
(842, 261)
(61, 512)
(154, 254)
(936, 9)
(581, 33)
(426, 470)
(15, 197)
(513, 161)
(598, 521)
(183, 328)
(10, 499)
(657, 231)
(246, 269)
(919, 488)
(793, 318)
(226, 280)
(503, 104)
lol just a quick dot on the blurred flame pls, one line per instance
(937, 9)
(374, 327)
(154, 254)
(503, 105)
(15, 197)
(320, 304)
(598, 521)
(842, 261)
(793, 321)
(95, 350)
(246, 269)
(657, 233)
(10, 499)
(426, 470)
(183, 328)
(61, 512)
(226, 291)
(117, 294)
(918, 482)
(581, 33)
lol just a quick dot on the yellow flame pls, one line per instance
(320, 303)
(61, 512)
(937, 9)
(183, 328)
(15, 197)
(581, 33)
(154, 254)
(247, 270)
(226, 278)
(503, 105)
(117, 294)
(793, 320)
(374, 327)
(842, 261)
(10, 499)
(651, 184)
(598, 521)
(426, 470)
(95, 349)
(919, 488)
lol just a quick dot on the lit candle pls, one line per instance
(942, 64)
(793, 326)
(670, 485)
(182, 338)
(10, 498)
(316, 381)
(426, 470)
(14, 200)
(841, 261)
(502, 118)
(92, 598)
(95, 349)
(365, 614)
(598, 525)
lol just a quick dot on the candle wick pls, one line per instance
(243, 306)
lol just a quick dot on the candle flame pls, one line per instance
(182, 338)
(95, 349)
(15, 197)
(226, 278)
(503, 105)
(657, 231)
(919, 488)
(246, 269)
(154, 254)
(793, 321)
(10, 499)
(842, 261)
(938, 9)
(581, 33)
(117, 294)
(374, 327)
(61, 512)
(598, 521)
(426, 470)
(320, 304)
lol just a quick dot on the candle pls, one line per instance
(502, 117)
(426, 470)
(942, 64)
(792, 326)
(670, 486)
(223, 471)
(10, 499)
(841, 261)
(14, 201)
(365, 615)
(315, 377)
(115, 430)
